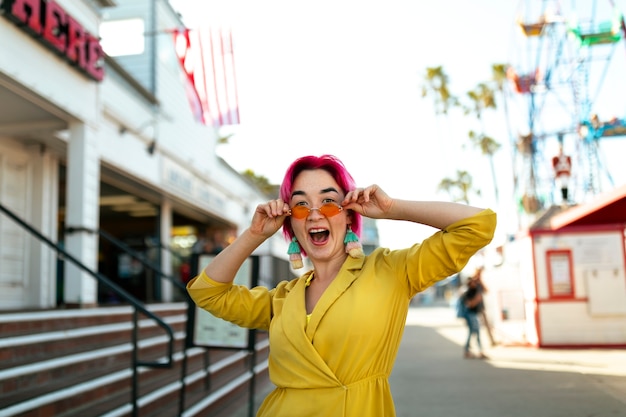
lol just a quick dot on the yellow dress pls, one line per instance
(339, 363)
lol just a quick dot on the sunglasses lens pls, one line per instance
(330, 210)
(299, 212)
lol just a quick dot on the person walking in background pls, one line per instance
(335, 331)
(482, 310)
(473, 301)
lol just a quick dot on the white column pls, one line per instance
(41, 290)
(166, 256)
(82, 212)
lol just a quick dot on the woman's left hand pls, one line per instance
(371, 202)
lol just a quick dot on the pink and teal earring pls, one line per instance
(295, 256)
(353, 246)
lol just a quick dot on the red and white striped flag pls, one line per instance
(207, 58)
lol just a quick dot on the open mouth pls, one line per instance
(319, 236)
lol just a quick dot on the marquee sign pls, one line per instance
(51, 25)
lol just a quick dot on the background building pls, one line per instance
(91, 142)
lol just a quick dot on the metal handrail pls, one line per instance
(135, 303)
(190, 304)
(135, 254)
(146, 263)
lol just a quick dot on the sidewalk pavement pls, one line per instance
(432, 379)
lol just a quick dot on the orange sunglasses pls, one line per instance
(326, 209)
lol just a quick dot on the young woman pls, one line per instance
(335, 331)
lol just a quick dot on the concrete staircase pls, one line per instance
(78, 363)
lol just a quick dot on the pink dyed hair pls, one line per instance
(328, 163)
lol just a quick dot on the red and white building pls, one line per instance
(563, 282)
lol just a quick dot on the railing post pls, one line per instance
(135, 304)
(135, 381)
(253, 377)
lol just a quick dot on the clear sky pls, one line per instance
(344, 77)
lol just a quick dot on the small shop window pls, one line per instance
(560, 275)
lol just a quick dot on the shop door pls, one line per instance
(14, 186)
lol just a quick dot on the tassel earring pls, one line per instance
(353, 246)
(295, 257)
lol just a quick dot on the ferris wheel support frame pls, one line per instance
(591, 165)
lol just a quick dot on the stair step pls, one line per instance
(26, 349)
(72, 363)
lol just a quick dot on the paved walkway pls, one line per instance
(432, 379)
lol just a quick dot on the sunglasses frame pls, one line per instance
(310, 209)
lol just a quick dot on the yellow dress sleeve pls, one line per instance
(245, 307)
(443, 254)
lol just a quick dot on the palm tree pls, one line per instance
(482, 98)
(488, 146)
(499, 78)
(458, 188)
(436, 85)
(262, 183)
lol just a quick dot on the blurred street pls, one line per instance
(432, 379)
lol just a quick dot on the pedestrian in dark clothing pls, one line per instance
(473, 300)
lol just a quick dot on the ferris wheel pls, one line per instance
(562, 101)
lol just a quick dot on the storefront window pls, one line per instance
(560, 278)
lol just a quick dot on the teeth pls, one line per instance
(316, 230)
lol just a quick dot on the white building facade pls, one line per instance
(90, 143)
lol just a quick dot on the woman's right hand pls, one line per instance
(269, 217)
